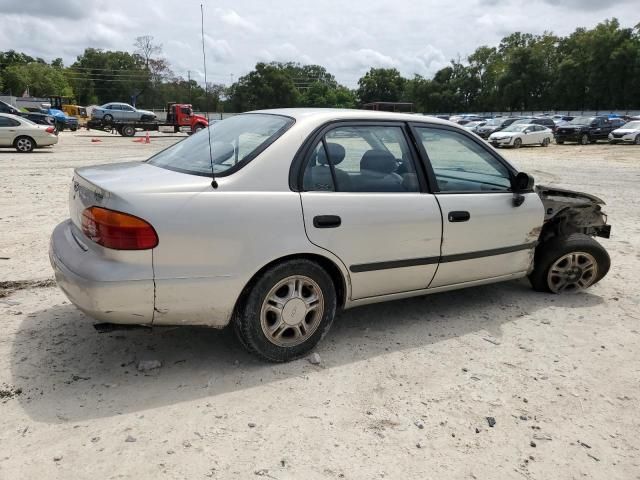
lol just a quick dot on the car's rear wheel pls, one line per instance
(517, 143)
(24, 144)
(569, 264)
(287, 311)
(545, 142)
(107, 118)
(584, 139)
(637, 140)
(128, 131)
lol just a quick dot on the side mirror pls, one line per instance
(523, 182)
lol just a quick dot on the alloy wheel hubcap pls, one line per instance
(572, 272)
(292, 311)
(24, 144)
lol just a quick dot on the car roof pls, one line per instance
(321, 115)
(10, 115)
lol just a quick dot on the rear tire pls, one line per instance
(107, 119)
(637, 140)
(24, 144)
(287, 311)
(545, 142)
(198, 127)
(562, 264)
(127, 131)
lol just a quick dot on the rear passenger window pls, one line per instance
(362, 159)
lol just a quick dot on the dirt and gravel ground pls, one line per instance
(403, 389)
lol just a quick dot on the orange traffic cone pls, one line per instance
(147, 139)
(95, 140)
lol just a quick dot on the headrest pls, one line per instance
(221, 151)
(378, 161)
(336, 152)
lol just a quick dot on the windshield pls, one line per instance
(582, 121)
(234, 141)
(632, 125)
(473, 124)
(494, 122)
(523, 121)
(515, 127)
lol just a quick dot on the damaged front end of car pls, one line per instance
(567, 212)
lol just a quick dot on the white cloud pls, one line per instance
(345, 37)
(233, 19)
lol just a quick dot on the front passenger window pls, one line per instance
(461, 165)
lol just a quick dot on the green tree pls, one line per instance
(381, 85)
(40, 79)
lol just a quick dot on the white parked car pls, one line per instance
(628, 133)
(517, 135)
(312, 211)
(24, 135)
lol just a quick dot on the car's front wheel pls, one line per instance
(517, 143)
(569, 264)
(637, 140)
(584, 139)
(287, 311)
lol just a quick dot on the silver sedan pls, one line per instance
(271, 221)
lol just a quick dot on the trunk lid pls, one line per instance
(126, 187)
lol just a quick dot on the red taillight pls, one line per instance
(50, 130)
(118, 230)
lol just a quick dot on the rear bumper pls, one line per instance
(47, 141)
(127, 301)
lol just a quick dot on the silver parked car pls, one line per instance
(273, 220)
(120, 112)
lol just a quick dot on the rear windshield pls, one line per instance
(234, 142)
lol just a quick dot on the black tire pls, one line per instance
(546, 142)
(637, 140)
(24, 144)
(74, 128)
(517, 143)
(198, 127)
(107, 118)
(584, 139)
(554, 249)
(560, 142)
(127, 131)
(247, 320)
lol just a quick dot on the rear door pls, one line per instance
(8, 129)
(364, 200)
(485, 235)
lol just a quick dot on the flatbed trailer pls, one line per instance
(129, 129)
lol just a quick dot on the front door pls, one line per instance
(364, 201)
(486, 234)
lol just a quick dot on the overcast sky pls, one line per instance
(345, 36)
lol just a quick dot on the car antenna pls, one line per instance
(214, 184)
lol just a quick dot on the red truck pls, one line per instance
(180, 117)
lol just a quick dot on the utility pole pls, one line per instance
(189, 77)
